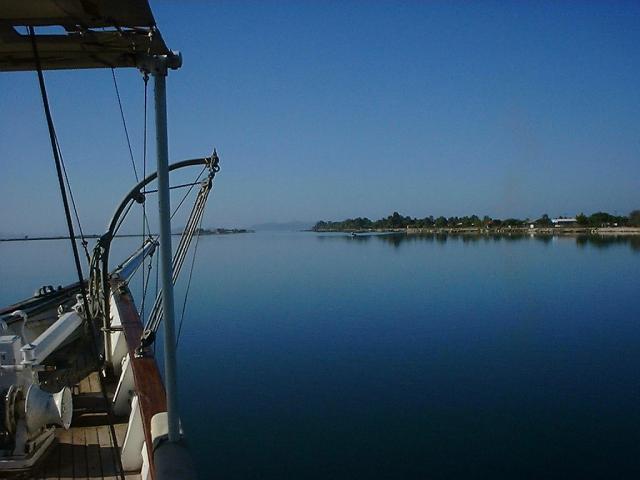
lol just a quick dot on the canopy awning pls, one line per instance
(77, 33)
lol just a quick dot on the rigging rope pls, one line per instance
(73, 200)
(197, 182)
(145, 284)
(175, 187)
(122, 219)
(195, 219)
(72, 237)
(124, 124)
(126, 133)
(144, 192)
(186, 293)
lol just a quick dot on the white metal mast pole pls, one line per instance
(161, 63)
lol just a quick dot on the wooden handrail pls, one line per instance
(148, 381)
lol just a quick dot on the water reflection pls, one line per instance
(398, 239)
(599, 241)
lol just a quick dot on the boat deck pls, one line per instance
(86, 450)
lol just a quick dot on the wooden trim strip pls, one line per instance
(148, 381)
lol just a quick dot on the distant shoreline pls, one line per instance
(556, 231)
(218, 231)
(495, 231)
(223, 231)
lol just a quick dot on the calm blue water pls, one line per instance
(321, 356)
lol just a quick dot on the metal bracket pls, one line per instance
(112, 329)
(159, 64)
(146, 340)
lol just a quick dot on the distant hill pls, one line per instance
(294, 226)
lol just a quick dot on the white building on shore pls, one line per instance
(564, 222)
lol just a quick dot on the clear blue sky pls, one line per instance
(325, 110)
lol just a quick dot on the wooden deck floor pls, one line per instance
(86, 450)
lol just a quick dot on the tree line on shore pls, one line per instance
(396, 220)
(221, 231)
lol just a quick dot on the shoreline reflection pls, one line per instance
(397, 239)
